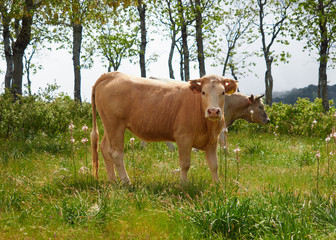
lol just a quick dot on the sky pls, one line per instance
(301, 71)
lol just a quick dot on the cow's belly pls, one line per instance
(151, 132)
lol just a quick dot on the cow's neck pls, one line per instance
(213, 130)
(236, 108)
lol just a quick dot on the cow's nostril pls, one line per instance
(218, 111)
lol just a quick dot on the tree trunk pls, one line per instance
(76, 49)
(181, 66)
(323, 58)
(324, 84)
(27, 67)
(19, 47)
(226, 61)
(185, 48)
(199, 38)
(142, 56)
(7, 50)
(232, 67)
(171, 54)
(269, 81)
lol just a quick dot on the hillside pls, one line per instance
(290, 97)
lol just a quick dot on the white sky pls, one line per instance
(301, 71)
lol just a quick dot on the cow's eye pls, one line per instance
(203, 92)
(223, 93)
(260, 107)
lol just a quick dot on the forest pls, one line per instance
(198, 31)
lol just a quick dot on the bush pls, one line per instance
(295, 119)
(30, 116)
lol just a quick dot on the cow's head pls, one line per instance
(213, 89)
(257, 110)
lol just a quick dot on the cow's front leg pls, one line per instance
(211, 156)
(184, 148)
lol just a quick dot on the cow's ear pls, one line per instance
(195, 86)
(251, 99)
(230, 85)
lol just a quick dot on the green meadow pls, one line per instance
(279, 185)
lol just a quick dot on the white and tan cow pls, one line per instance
(237, 106)
(189, 114)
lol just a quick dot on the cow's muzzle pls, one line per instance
(213, 113)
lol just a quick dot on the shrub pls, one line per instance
(32, 115)
(295, 119)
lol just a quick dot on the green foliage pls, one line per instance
(297, 119)
(312, 15)
(40, 114)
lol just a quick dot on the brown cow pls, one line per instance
(239, 106)
(188, 113)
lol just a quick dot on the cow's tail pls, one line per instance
(94, 135)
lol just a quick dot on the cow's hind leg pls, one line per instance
(106, 152)
(116, 152)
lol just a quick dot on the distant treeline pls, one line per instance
(307, 92)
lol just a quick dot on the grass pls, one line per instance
(275, 196)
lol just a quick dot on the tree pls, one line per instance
(233, 29)
(315, 20)
(142, 54)
(112, 44)
(17, 20)
(198, 10)
(40, 34)
(78, 15)
(166, 12)
(184, 32)
(273, 17)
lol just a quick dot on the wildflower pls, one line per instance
(331, 153)
(318, 155)
(71, 126)
(314, 122)
(84, 140)
(276, 127)
(327, 139)
(132, 142)
(225, 130)
(335, 114)
(72, 140)
(275, 134)
(85, 128)
(83, 170)
(236, 150)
